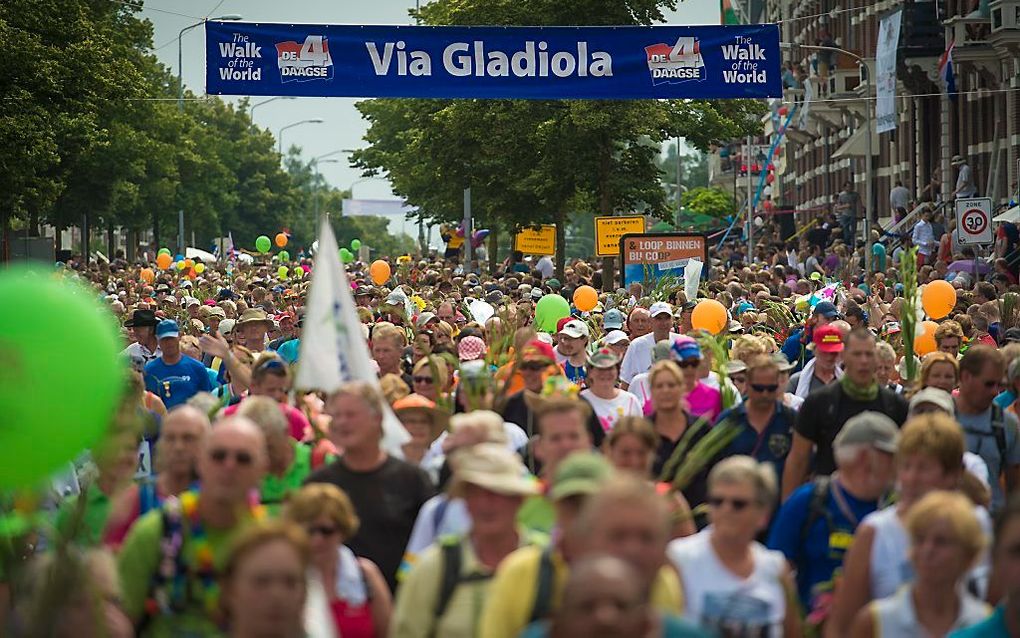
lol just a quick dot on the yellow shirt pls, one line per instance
(512, 592)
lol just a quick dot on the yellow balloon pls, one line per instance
(709, 315)
(181, 265)
(200, 268)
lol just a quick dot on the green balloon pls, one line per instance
(164, 251)
(346, 256)
(282, 272)
(550, 309)
(284, 255)
(262, 244)
(59, 388)
(355, 245)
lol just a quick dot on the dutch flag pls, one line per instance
(946, 71)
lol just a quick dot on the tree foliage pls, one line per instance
(711, 201)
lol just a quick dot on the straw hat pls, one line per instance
(495, 468)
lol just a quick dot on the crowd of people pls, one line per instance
(625, 473)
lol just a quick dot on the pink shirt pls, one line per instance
(704, 400)
(299, 425)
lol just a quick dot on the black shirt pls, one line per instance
(387, 500)
(826, 410)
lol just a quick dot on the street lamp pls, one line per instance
(866, 78)
(279, 137)
(315, 165)
(180, 105)
(272, 99)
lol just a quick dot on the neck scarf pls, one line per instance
(857, 392)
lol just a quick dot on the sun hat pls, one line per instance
(784, 364)
(957, 160)
(471, 348)
(869, 428)
(418, 403)
(168, 329)
(227, 326)
(141, 318)
(613, 319)
(935, 396)
(603, 358)
(493, 467)
(581, 473)
(487, 421)
(253, 315)
(828, 338)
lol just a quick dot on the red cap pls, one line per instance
(562, 322)
(537, 350)
(828, 338)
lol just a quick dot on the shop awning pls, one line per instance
(1010, 215)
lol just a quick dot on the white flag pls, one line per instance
(333, 348)
(692, 277)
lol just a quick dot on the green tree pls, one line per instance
(714, 202)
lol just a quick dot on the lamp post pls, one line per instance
(251, 113)
(866, 78)
(279, 137)
(315, 165)
(180, 105)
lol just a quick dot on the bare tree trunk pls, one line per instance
(493, 247)
(606, 208)
(561, 243)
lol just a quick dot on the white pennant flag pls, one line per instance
(692, 278)
(333, 348)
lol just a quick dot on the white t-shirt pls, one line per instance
(546, 267)
(642, 389)
(638, 358)
(716, 598)
(608, 411)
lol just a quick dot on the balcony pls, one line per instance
(1005, 23)
(971, 35)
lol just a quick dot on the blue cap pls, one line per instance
(167, 329)
(686, 348)
(612, 320)
(827, 309)
(743, 307)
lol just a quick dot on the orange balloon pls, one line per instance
(709, 315)
(938, 298)
(585, 298)
(925, 342)
(188, 263)
(281, 239)
(164, 261)
(192, 274)
(380, 271)
(147, 275)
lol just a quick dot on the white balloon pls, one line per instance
(758, 221)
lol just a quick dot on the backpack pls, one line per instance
(998, 432)
(820, 486)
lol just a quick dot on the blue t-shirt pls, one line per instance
(794, 349)
(878, 253)
(576, 374)
(177, 383)
(818, 556)
(1005, 399)
(992, 627)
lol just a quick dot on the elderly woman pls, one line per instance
(731, 582)
(429, 377)
(945, 540)
(940, 370)
(424, 422)
(263, 584)
(356, 590)
(608, 402)
(702, 399)
(669, 414)
(929, 457)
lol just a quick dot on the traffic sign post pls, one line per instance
(974, 220)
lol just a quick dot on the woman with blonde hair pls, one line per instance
(945, 540)
(669, 415)
(429, 377)
(355, 588)
(940, 370)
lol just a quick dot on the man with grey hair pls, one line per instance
(815, 525)
(289, 462)
(231, 463)
(387, 492)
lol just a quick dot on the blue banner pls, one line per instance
(493, 62)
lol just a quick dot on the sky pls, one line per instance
(343, 127)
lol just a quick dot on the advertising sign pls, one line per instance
(647, 257)
(886, 113)
(536, 242)
(609, 230)
(702, 62)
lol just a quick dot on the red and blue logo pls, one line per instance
(305, 62)
(681, 62)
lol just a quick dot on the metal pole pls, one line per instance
(750, 206)
(467, 228)
(315, 185)
(679, 207)
(180, 107)
(868, 207)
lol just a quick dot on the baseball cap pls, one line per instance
(935, 396)
(686, 348)
(660, 307)
(828, 339)
(603, 358)
(471, 348)
(1011, 335)
(581, 473)
(226, 326)
(827, 309)
(536, 293)
(735, 366)
(869, 428)
(613, 319)
(554, 284)
(616, 336)
(167, 329)
(540, 351)
(216, 311)
(575, 328)
(424, 318)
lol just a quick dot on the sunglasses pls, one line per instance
(737, 504)
(689, 363)
(534, 367)
(322, 530)
(242, 457)
(762, 387)
(425, 380)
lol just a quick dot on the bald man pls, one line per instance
(193, 534)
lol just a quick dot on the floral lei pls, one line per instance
(174, 578)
